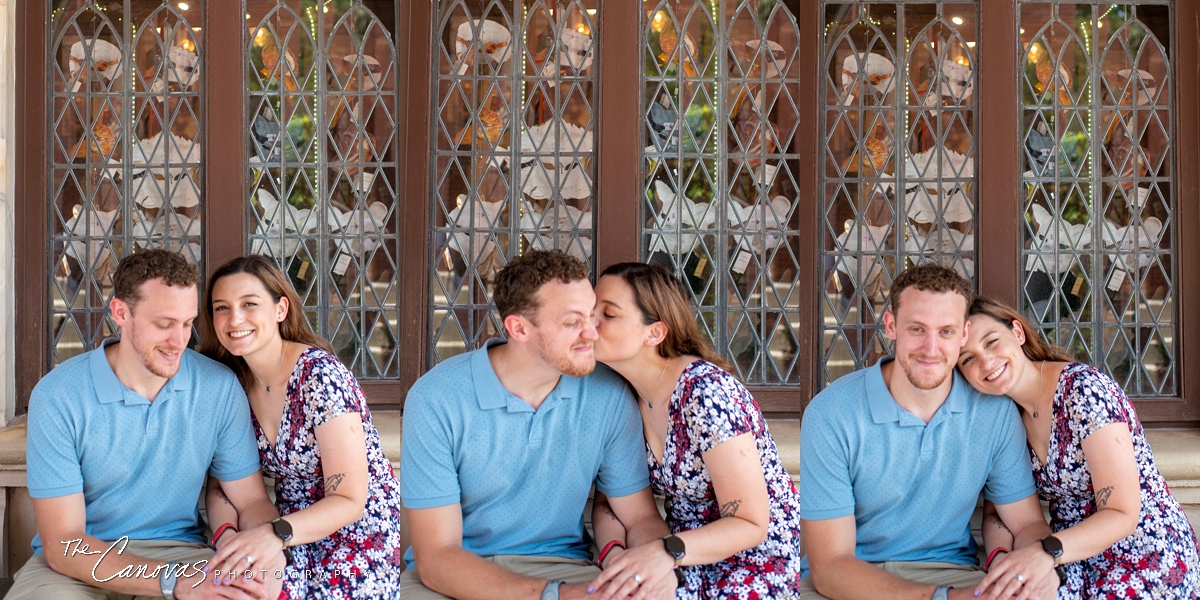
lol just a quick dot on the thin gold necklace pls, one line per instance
(282, 354)
(650, 400)
(1041, 369)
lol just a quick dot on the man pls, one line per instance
(893, 459)
(501, 447)
(120, 442)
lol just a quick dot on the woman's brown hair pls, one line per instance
(660, 297)
(1036, 347)
(294, 327)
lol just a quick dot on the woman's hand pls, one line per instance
(1021, 573)
(646, 571)
(250, 550)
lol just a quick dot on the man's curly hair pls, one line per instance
(931, 277)
(518, 281)
(143, 266)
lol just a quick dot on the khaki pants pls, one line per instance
(934, 573)
(550, 568)
(36, 580)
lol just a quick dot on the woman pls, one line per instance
(731, 506)
(1119, 530)
(334, 487)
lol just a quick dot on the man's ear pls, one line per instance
(518, 328)
(121, 311)
(889, 325)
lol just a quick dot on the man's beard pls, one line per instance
(922, 384)
(562, 360)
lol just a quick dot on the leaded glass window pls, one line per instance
(721, 196)
(322, 198)
(124, 147)
(513, 151)
(1099, 207)
(899, 120)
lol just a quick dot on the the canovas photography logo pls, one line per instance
(181, 570)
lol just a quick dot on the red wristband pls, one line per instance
(608, 547)
(987, 565)
(217, 534)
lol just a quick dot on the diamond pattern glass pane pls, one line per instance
(719, 172)
(125, 83)
(321, 127)
(898, 165)
(513, 149)
(1099, 211)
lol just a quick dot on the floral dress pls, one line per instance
(362, 559)
(1159, 560)
(709, 406)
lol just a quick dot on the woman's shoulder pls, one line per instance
(1082, 375)
(316, 361)
(708, 380)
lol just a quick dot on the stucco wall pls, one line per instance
(8, 105)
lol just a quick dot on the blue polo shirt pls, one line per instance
(140, 465)
(522, 477)
(911, 486)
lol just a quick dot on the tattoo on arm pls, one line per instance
(730, 509)
(608, 511)
(1103, 494)
(333, 481)
(999, 523)
(223, 498)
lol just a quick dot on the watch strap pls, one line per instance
(550, 592)
(166, 581)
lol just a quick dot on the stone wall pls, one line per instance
(8, 105)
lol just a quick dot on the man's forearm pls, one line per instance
(849, 578)
(106, 565)
(1031, 533)
(645, 530)
(444, 572)
(257, 513)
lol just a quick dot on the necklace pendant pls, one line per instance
(1035, 415)
(269, 391)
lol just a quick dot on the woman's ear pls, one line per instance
(281, 309)
(657, 333)
(1019, 332)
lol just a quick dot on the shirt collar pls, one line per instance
(110, 389)
(490, 393)
(883, 406)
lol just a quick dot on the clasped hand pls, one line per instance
(646, 572)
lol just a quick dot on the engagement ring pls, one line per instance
(637, 578)
(1020, 578)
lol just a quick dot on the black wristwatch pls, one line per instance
(675, 548)
(1053, 547)
(283, 529)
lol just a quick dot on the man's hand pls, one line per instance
(1021, 574)
(643, 572)
(248, 551)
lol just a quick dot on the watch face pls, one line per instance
(674, 546)
(282, 528)
(1052, 546)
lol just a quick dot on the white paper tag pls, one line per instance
(1116, 279)
(741, 262)
(341, 264)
